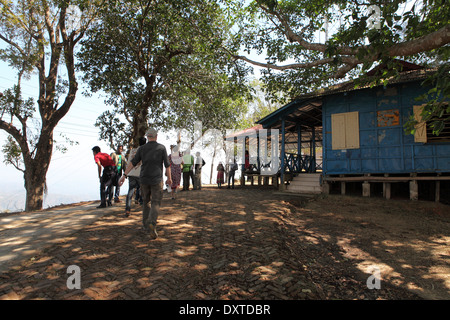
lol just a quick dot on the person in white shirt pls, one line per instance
(133, 177)
(199, 163)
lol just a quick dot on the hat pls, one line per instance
(152, 133)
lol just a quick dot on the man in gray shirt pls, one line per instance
(153, 156)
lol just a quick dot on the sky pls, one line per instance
(70, 173)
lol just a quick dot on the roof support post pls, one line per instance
(313, 151)
(299, 148)
(283, 150)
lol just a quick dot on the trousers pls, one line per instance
(106, 184)
(152, 196)
(133, 183)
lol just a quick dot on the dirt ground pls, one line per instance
(251, 243)
(407, 241)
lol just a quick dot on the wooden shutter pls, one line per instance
(338, 131)
(421, 127)
(345, 130)
(352, 130)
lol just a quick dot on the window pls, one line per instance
(424, 133)
(345, 130)
(421, 127)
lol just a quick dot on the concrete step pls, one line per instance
(304, 190)
(305, 183)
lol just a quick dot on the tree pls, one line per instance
(39, 37)
(159, 62)
(367, 33)
(259, 106)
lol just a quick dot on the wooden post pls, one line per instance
(283, 149)
(387, 189)
(366, 189)
(326, 187)
(438, 191)
(299, 148)
(342, 185)
(413, 190)
(313, 151)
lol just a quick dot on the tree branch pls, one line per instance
(428, 42)
(347, 54)
(285, 67)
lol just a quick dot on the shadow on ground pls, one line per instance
(249, 243)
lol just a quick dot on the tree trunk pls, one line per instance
(35, 192)
(140, 125)
(36, 171)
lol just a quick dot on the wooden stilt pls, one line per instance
(438, 191)
(387, 189)
(413, 190)
(366, 189)
(326, 187)
(342, 186)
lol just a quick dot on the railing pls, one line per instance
(292, 164)
(305, 163)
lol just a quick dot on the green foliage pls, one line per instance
(12, 153)
(299, 62)
(266, 27)
(436, 110)
(260, 106)
(13, 105)
(111, 129)
(161, 62)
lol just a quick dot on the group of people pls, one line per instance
(144, 169)
(221, 172)
(232, 168)
(186, 166)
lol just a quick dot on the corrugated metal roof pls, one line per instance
(351, 85)
(307, 109)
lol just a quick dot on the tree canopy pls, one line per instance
(161, 63)
(356, 35)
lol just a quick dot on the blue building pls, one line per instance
(344, 136)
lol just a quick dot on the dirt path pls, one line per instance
(250, 243)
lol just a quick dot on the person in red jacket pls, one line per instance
(108, 176)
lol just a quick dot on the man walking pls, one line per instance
(133, 178)
(153, 156)
(108, 176)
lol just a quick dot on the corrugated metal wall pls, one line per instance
(384, 147)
